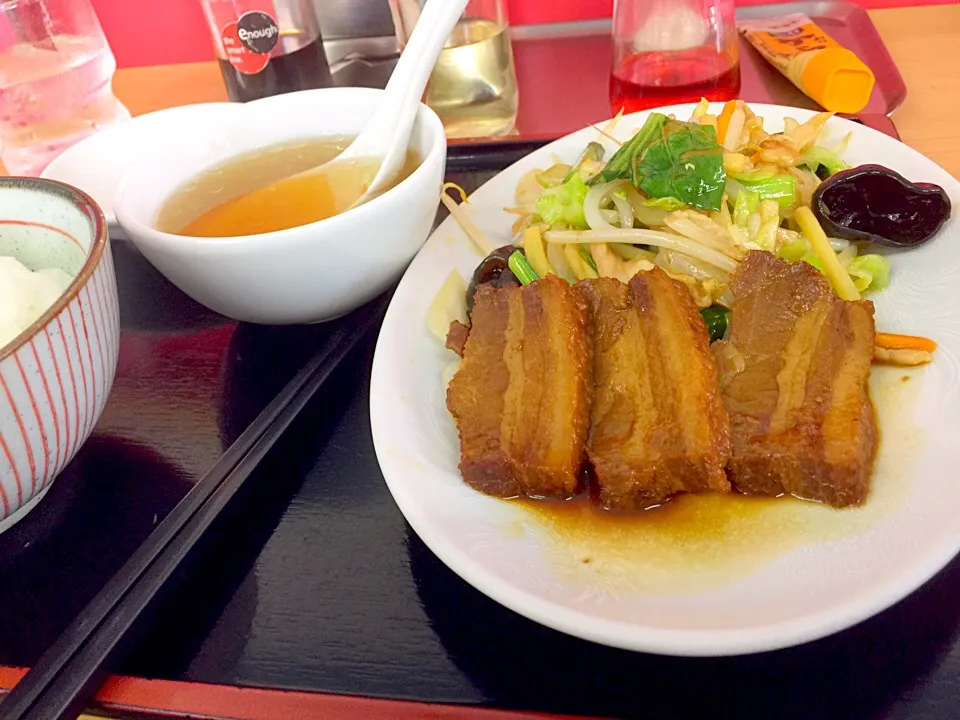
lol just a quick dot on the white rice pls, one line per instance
(25, 295)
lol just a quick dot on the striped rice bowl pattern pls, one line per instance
(56, 376)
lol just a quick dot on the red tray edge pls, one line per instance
(176, 699)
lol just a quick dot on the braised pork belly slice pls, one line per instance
(521, 397)
(801, 418)
(657, 424)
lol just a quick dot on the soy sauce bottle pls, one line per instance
(267, 47)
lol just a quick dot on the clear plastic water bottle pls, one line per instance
(55, 73)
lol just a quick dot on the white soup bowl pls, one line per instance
(306, 274)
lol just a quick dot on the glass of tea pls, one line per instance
(673, 51)
(267, 47)
(473, 87)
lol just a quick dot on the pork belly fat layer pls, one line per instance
(801, 418)
(521, 397)
(657, 424)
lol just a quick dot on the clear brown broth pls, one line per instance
(263, 191)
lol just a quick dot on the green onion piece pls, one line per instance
(716, 317)
(585, 254)
(521, 268)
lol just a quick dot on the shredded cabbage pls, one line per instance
(870, 273)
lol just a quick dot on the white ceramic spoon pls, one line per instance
(387, 134)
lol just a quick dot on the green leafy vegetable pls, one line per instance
(716, 317)
(782, 188)
(870, 273)
(564, 203)
(521, 268)
(672, 159)
(622, 164)
(747, 202)
(665, 203)
(685, 163)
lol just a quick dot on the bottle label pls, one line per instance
(786, 36)
(258, 32)
(248, 33)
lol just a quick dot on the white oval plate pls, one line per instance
(96, 163)
(797, 573)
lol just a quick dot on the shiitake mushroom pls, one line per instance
(494, 270)
(876, 204)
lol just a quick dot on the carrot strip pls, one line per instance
(723, 121)
(892, 341)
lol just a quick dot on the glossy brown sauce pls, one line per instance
(697, 542)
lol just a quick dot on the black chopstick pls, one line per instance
(69, 673)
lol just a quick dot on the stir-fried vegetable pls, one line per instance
(912, 342)
(823, 162)
(536, 253)
(870, 273)
(591, 155)
(686, 163)
(691, 198)
(834, 271)
(521, 268)
(623, 162)
(464, 220)
(716, 318)
(564, 203)
(672, 159)
(782, 188)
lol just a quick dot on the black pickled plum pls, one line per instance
(494, 270)
(877, 204)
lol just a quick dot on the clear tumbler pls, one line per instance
(473, 87)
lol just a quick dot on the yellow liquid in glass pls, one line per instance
(473, 87)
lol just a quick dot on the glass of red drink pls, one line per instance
(673, 51)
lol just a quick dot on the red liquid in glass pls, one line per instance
(653, 79)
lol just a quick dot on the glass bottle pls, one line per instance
(267, 47)
(473, 87)
(673, 51)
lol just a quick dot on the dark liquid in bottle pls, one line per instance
(653, 79)
(302, 69)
